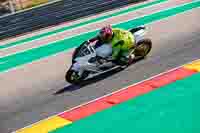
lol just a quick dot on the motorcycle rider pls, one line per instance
(121, 42)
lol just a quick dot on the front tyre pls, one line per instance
(72, 77)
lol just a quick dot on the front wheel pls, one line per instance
(74, 78)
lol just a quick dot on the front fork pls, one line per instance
(77, 68)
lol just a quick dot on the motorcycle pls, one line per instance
(86, 63)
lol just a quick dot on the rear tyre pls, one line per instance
(143, 48)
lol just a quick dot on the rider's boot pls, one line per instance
(131, 59)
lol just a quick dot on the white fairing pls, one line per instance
(82, 62)
(104, 50)
(139, 35)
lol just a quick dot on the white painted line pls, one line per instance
(112, 93)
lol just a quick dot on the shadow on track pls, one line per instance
(89, 81)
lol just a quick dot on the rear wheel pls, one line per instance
(143, 48)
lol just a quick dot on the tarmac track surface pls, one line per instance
(28, 93)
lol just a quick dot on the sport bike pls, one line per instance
(86, 63)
